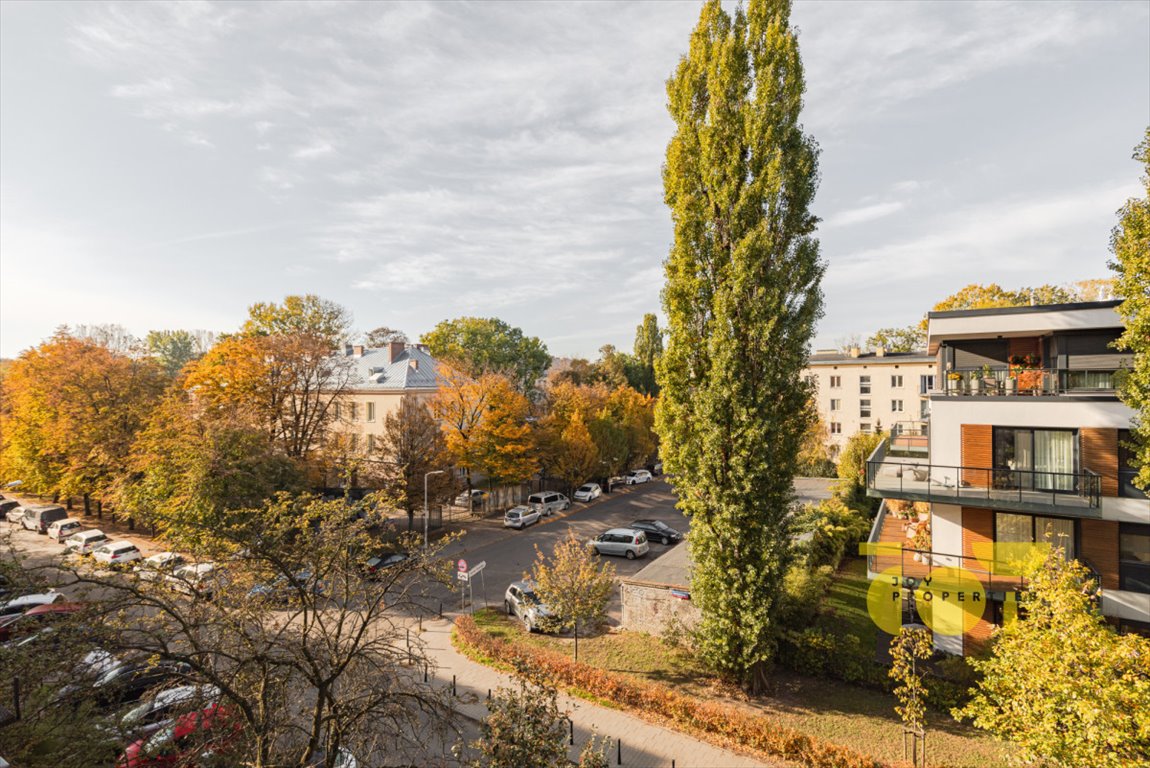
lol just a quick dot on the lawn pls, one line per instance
(844, 609)
(854, 717)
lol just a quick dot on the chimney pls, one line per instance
(394, 350)
(855, 351)
(347, 350)
(357, 350)
(414, 364)
(880, 351)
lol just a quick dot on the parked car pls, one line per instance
(162, 709)
(637, 476)
(8, 505)
(281, 589)
(520, 517)
(474, 497)
(156, 567)
(35, 619)
(116, 553)
(15, 515)
(111, 681)
(657, 530)
(210, 730)
(521, 601)
(548, 502)
(84, 542)
(588, 492)
(343, 759)
(624, 542)
(198, 580)
(19, 605)
(382, 561)
(62, 529)
(39, 516)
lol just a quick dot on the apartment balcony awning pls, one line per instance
(1069, 494)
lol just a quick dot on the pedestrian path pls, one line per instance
(635, 742)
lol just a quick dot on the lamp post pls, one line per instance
(425, 476)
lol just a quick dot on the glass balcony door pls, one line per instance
(1036, 459)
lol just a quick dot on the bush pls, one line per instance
(803, 590)
(703, 719)
(819, 653)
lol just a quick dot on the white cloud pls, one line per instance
(317, 148)
(863, 214)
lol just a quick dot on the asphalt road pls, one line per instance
(509, 553)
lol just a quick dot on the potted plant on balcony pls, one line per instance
(920, 543)
(975, 383)
(952, 381)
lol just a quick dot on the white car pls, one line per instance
(199, 579)
(520, 517)
(156, 712)
(84, 542)
(15, 516)
(625, 542)
(116, 553)
(637, 476)
(159, 565)
(588, 492)
(20, 605)
(62, 529)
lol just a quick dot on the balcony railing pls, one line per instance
(1026, 382)
(911, 437)
(1076, 493)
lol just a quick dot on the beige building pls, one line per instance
(379, 380)
(865, 391)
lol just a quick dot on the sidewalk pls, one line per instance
(643, 744)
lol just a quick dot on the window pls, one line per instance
(1134, 557)
(864, 409)
(1127, 470)
(864, 427)
(355, 442)
(1027, 529)
(352, 408)
(896, 381)
(836, 428)
(371, 411)
(896, 406)
(370, 440)
(925, 384)
(1036, 459)
(864, 385)
(338, 412)
(836, 382)
(836, 405)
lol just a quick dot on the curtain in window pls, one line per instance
(1054, 460)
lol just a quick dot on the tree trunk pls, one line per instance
(87, 505)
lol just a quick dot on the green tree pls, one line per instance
(742, 298)
(648, 350)
(1130, 244)
(1060, 683)
(851, 486)
(524, 727)
(307, 315)
(573, 583)
(381, 336)
(483, 345)
(912, 645)
(909, 339)
(412, 446)
(173, 349)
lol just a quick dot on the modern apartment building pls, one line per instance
(1026, 445)
(867, 391)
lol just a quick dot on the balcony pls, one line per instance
(1074, 494)
(1032, 382)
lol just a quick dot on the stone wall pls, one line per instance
(651, 607)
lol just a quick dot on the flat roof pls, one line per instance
(1025, 310)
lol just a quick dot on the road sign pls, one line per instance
(477, 568)
(462, 566)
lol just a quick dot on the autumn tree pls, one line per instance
(648, 350)
(909, 339)
(851, 470)
(307, 315)
(112, 336)
(412, 446)
(573, 583)
(910, 646)
(382, 336)
(814, 454)
(1061, 684)
(478, 346)
(73, 409)
(742, 298)
(566, 446)
(1130, 244)
(172, 349)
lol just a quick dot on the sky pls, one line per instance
(165, 166)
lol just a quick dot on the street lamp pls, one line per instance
(425, 476)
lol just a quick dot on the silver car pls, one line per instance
(520, 600)
(622, 542)
(548, 502)
(520, 517)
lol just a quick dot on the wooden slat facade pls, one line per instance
(1098, 543)
(1099, 449)
(977, 528)
(977, 452)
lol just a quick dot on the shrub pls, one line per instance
(721, 722)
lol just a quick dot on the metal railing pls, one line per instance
(1026, 382)
(1022, 488)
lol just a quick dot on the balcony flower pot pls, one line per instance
(1010, 385)
(976, 386)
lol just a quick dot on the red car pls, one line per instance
(208, 730)
(36, 618)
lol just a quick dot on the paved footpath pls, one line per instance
(644, 745)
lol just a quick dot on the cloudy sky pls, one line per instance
(166, 165)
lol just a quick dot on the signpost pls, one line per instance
(464, 574)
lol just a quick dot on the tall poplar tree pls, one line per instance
(742, 298)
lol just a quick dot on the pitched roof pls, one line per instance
(412, 368)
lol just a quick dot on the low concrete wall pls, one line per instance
(651, 608)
